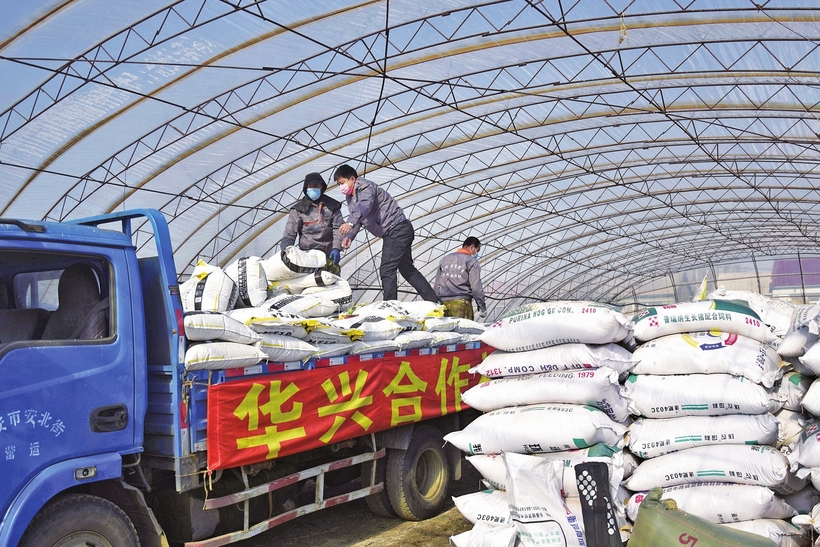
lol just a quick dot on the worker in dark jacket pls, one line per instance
(374, 209)
(314, 221)
(458, 282)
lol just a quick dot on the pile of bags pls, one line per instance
(286, 309)
(707, 403)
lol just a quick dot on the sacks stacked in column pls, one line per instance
(704, 391)
(551, 391)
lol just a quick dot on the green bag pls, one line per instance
(661, 524)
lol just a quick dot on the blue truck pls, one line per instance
(104, 433)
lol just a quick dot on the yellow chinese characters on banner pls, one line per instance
(266, 417)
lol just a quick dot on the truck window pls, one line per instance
(55, 297)
(37, 289)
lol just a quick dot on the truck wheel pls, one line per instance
(378, 503)
(418, 479)
(80, 520)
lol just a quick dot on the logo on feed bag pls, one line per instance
(731, 340)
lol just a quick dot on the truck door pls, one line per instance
(67, 361)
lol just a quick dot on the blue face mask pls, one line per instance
(314, 193)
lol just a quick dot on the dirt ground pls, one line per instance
(353, 525)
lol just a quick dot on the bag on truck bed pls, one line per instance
(222, 355)
(251, 283)
(293, 262)
(201, 326)
(208, 289)
(661, 523)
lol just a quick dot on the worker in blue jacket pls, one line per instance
(374, 209)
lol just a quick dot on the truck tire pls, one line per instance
(418, 479)
(378, 503)
(80, 520)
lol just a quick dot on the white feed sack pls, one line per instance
(782, 532)
(263, 320)
(555, 358)
(791, 425)
(721, 502)
(792, 388)
(298, 285)
(803, 331)
(440, 324)
(709, 352)
(811, 400)
(537, 429)
(650, 438)
(251, 283)
(467, 326)
(208, 289)
(772, 311)
(597, 387)
(222, 355)
(293, 262)
(325, 331)
(373, 346)
(486, 535)
(537, 508)
(546, 324)
(811, 358)
(804, 500)
(739, 464)
(281, 348)
(491, 467)
(200, 326)
(325, 350)
(369, 328)
(414, 339)
(393, 310)
(805, 451)
(671, 396)
(705, 315)
(487, 506)
(301, 304)
(339, 292)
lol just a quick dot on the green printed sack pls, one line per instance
(661, 523)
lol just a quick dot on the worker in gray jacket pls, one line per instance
(458, 282)
(315, 220)
(376, 210)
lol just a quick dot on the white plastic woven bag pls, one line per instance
(650, 438)
(704, 315)
(598, 387)
(721, 502)
(208, 289)
(251, 283)
(655, 396)
(293, 262)
(537, 429)
(537, 508)
(281, 348)
(736, 463)
(202, 326)
(709, 352)
(264, 320)
(547, 324)
(222, 355)
(501, 364)
(772, 311)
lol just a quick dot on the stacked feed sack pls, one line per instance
(551, 389)
(704, 390)
(531, 511)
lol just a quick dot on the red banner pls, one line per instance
(275, 415)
